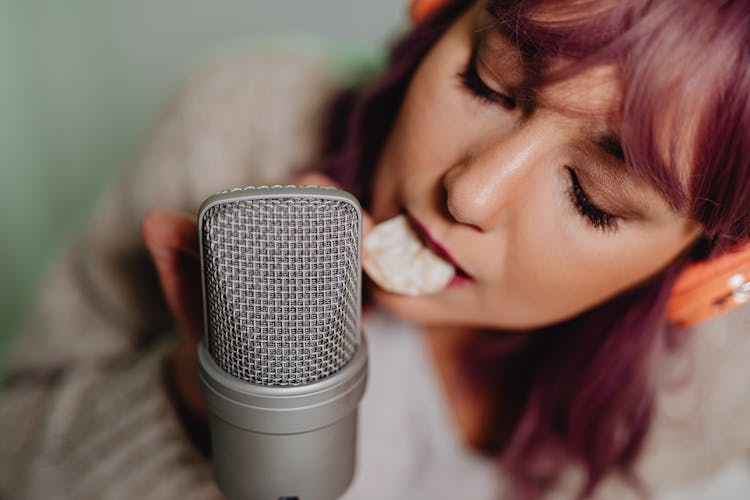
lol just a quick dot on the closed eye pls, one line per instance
(595, 216)
(471, 80)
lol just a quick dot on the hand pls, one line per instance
(172, 241)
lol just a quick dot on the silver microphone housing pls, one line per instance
(283, 364)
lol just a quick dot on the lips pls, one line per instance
(433, 245)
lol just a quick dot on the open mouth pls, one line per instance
(430, 243)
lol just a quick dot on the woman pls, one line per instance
(571, 157)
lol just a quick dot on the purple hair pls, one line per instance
(581, 391)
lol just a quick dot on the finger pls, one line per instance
(172, 240)
(164, 229)
(316, 179)
(367, 224)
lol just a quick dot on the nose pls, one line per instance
(481, 187)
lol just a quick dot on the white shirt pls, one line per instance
(408, 449)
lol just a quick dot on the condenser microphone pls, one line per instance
(283, 363)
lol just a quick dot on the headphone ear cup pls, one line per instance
(419, 9)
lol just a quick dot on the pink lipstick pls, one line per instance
(461, 275)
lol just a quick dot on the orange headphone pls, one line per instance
(419, 9)
(703, 290)
(708, 288)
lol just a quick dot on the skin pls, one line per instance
(491, 184)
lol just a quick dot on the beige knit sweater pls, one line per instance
(84, 413)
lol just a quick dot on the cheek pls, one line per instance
(568, 268)
(420, 147)
(554, 266)
(428, 135)
(435, 118)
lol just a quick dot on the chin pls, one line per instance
(416, 309)
(438, 310)
(423, 310)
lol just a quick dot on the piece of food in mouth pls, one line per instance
(395, 258)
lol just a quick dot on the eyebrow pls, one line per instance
(533, 62)
(609, 143)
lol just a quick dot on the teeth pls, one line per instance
(397, 261)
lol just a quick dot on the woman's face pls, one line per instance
(533, 203)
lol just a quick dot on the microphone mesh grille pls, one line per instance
(281, 278)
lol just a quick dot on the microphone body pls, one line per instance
(283, 364)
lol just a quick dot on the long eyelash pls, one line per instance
(473, 82)
(597, 217)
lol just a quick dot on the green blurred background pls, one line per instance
(81, 80)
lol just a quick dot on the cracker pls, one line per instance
(396, 260)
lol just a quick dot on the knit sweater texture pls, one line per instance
(84, 412)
